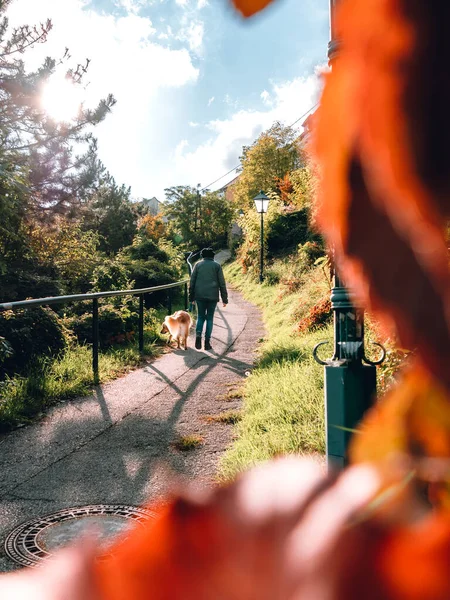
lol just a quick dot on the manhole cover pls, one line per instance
(36, 540)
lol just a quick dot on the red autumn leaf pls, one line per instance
(382, 208)
(412, 420)
(413, 561)
(250, 7)
(282, 532)
(227, 545)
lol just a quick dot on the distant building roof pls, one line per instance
(153, 204)
(151, 200)
(227, 185)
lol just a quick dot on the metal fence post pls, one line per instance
(95, 339)
(141, 323)
(95, 311)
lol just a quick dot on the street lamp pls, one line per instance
(262, 206)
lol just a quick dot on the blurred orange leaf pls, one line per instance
(228, 544)
(382, 207)
(413, 419)
(413, 561)
(250, 7)
(282, 532)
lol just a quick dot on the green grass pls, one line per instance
(283, 405)
(230, 417)
(188, 442)
(69, 375)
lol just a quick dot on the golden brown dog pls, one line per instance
(177, 326)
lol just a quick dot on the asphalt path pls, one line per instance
(117, 446)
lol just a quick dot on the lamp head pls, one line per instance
(261, 202)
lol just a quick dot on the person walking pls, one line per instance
(206, 282)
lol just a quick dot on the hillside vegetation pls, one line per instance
(283, 398)
(283, 407)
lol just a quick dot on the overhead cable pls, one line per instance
(234, 168)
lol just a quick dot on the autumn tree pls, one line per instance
(200, 219)
(265, 163)
(152, 227)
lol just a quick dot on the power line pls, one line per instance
(234, 169)
(221, 177)
(304, 115)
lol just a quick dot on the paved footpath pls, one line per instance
(110, 447)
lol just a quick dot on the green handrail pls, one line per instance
(95, 298)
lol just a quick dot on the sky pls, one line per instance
(194, 82)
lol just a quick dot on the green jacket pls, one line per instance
(206, 281)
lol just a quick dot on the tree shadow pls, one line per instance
(95, 458)
(282, 355)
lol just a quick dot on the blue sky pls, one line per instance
(193, 81)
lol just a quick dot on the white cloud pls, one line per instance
(180, 147)
(229, 100)
(265, 97)
(201, 4)
(125, 57)
(126, 60)
(193, 124)
(193, 35)
(221, 151)
(182, 2)
(131, 6)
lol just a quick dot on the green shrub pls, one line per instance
(6, 349)
(31, 333)
(271, 276)
(111, 275)
(149, 265)
(19, 284)
(287, 231)
(309, 252)
(116, 324)
(143, 248)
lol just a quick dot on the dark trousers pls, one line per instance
(205, 312)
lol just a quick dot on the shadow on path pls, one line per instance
(120, 463)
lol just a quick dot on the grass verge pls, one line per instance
(283, 406)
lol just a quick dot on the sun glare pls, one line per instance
(61, 99)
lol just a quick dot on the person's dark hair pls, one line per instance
(207, 253)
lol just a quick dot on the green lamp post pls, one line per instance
(350, 377)
(350, 385)
(262, 206)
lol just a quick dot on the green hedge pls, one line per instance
(116, 324)
(31, 333)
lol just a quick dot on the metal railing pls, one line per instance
(95, 298)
